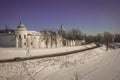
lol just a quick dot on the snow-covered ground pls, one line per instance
(11, 53)
(96, 64)
(106, 67)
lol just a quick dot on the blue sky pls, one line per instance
(90, 16)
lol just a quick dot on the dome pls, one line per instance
(21, 26)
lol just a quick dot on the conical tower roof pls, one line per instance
(21, 26)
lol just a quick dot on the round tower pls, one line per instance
(21, 36)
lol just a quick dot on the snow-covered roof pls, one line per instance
(33, 33)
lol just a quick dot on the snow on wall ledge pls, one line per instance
(11, 53)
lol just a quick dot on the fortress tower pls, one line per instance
(21, 36)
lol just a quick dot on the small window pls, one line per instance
(19, 36)
(24, 36)
(31, 43)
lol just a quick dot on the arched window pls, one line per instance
(24, 36)
(25, 44)
(20, 37)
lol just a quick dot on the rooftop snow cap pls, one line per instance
(21, 26)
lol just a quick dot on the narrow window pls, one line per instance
(24, 36)
(19, 36)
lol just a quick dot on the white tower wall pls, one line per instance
(21, 36)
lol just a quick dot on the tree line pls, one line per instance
(104, 38)
(73, 34)
(76, 34)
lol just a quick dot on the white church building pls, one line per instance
(24, 38)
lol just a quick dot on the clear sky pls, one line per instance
(90, 16)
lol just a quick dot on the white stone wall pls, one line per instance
(21, 41)
(33, 41)
(42, 42)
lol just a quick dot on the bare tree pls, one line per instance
(53, 36)
(98, 38)
(89, 39)
(117, 38)
(107, 38)
(45, 32)
(74, 34)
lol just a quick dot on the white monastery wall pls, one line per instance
(24, 38)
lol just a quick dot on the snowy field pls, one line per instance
(11, 53)
(96, 64)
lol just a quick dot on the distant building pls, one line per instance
(23, 38)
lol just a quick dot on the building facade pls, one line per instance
(24, 38)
